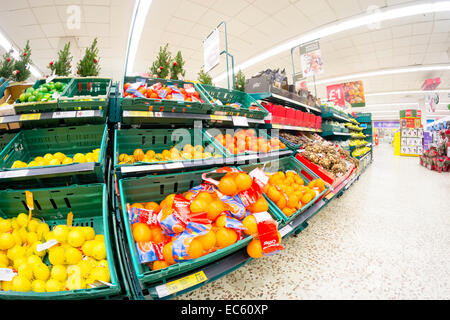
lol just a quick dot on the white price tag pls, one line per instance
(162, 290)
(285, 230)
(240, 121)
(50, 79)
(174, 165)
(86, 113)
(7, 274)
(258, 174)
(64, 114)
(158, 114)
(46, 245)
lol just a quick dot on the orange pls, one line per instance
(167, 253)
(273, 194)
(227, 186)
(138, 154)
(249, 222)
(243, 181)
(198, 205)
(254, 249)
(152, 206)
(122, 157)
(157, 235)
(299, 180)
(293, 202)
(312, 184)
(141, 232)
(188, 148)
(282, 202)
(195, 249)
(138, 205)
(205, 196)
(221, 221)
(320, 184)
(306, 198)
(208, 240)
(260, 205)
(188, 195)
(214, 209)
(225, 237)
(288, 212)
(157, 265)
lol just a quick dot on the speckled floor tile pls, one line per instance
(387, 237)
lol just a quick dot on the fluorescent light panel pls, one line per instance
(137, 25)
(361, 20)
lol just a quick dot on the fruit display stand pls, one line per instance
(156, 188)
(87, 93)
(29, 144)
(127, 141)
(89, 204)
(365, 121)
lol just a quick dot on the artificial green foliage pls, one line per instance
(89, 66)
(239, 81)
(177, 71)
(204, 77)
(7, 66)
(21, 70)
(162, 65)
(62, 66)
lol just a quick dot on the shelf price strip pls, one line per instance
(178, 285)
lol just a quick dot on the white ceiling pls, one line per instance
(253, 26)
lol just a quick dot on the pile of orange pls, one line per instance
(288, 191)
(247, 140)
(188, 152)
(218, 236)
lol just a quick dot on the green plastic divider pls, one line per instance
(5, 139)
(128, 140)
(163, 105)
(89, 205)
(42, 106)
(233, 96)
(90, 93)
(29, 144)
(156, 188)
(284, 164)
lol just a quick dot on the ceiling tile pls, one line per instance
(53, 29)
(402, 31)
(231, 8)
(46, 14)
(189, 10)
(251, 15)
(13, 5)
(96, 14)
(17, 18)
(180, 26)
(271, 7)
(441, 26)
(422, 28)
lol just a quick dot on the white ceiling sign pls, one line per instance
(211, 54)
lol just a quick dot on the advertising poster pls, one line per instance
(211, 51)
(311, 59)
(350, 92)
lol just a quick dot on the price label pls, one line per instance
(329, 196)
(240, 121)
(30, 116)
(7, 274)
(180, 284)
(86, 113)
(258, 174)
(46, 245)
(285, 230)
(1, 119)
(50, 79)
(174, 165)
(216, 117)
(64, 114)
(143, 114)
(158, 115)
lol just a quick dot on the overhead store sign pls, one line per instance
(350, 92)
(211, 51)
(311, 59)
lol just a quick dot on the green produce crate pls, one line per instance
(233, 96)
(158, 140)
(90, 93)
(330, 127)
(42, 106)
(289, 144)
(156, 188)
(364, 117)
(29, 144)
(163, 105)
(213, 131)
(5, 139)
(284, 164)
(89, 205)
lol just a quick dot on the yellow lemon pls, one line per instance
(76, 238)
(59, 272)
(54, 162)
(33, 164)
(31, 238)
(85, 268)
(34, 259)
(6, 241)
(49, 157)
(57, 255)
(32, 226)
(38, 253)
(16, 252)
(21, 284)
(60, 156)
(17, 237)
(89, 233)
(38, 286)
(42, 230)
(22, 219)
(19, 164)
(41, 272)
(67, 161)
(49, 236)
(53, 285)
(4, 258)
(79, 157)
(87, 247)
(5, 225)
(99, 237)
(102, 264)
(100, 274)
(39, 159)
(99, 251)
(26, 270)
(73, 256)
(7, 285)
(61, 232)
(18, 261)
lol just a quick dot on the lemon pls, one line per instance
(34, 259)
(89, 233)
(61, 232)
(49, 236)
(96, 151)
(38, 286)
(39, 159)
(33, 164)
(100, 238)
(92, 262)
(99, 251)
(49, 157)
(79, 157)
(90, 157)
(102, 264)
(23, 234)
(32, 238)
(18, 261)
(85, 268)
(22, 219)
(5, 225)
(56, 255)
(53, 285)
(16, 252)
(41, 272)
(43, 163)
(21, 284)
(67, 161)
(7, 285)
(19, 164)
(76, 237)
(32, 226)
(6, 241)
(14, 223)
(73, 256)
(17, 237)
(42, 230)
(100, 274)
(60, 156)
(38, 253)
(59, 272)
(26, 270)
(54, 162)
(4, 259)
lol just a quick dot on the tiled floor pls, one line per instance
(387, 237)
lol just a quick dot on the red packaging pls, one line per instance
(251, 195)
(290, 116)
(299, 115)
(267, 233)
(318, 122)
(149, 217)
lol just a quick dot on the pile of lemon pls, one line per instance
(77, 261)
(57, 159)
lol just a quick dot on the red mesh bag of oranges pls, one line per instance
(208, 217)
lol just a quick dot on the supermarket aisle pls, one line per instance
(385, 238)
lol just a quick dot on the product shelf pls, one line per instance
(333, 116)
(334, 133)
(280, 98)
(296, 128)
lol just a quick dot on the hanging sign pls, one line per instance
(350, 92)
(311, 59)
(211, 51)
(335, 94)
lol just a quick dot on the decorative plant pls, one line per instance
(89, 65)
(176, 71)
(161, 66)
(204, 77)
(62, 66)
(21, 70)
(7, 65)
(239, 81)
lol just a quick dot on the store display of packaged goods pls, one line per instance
(437, 157)
(292, 117)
